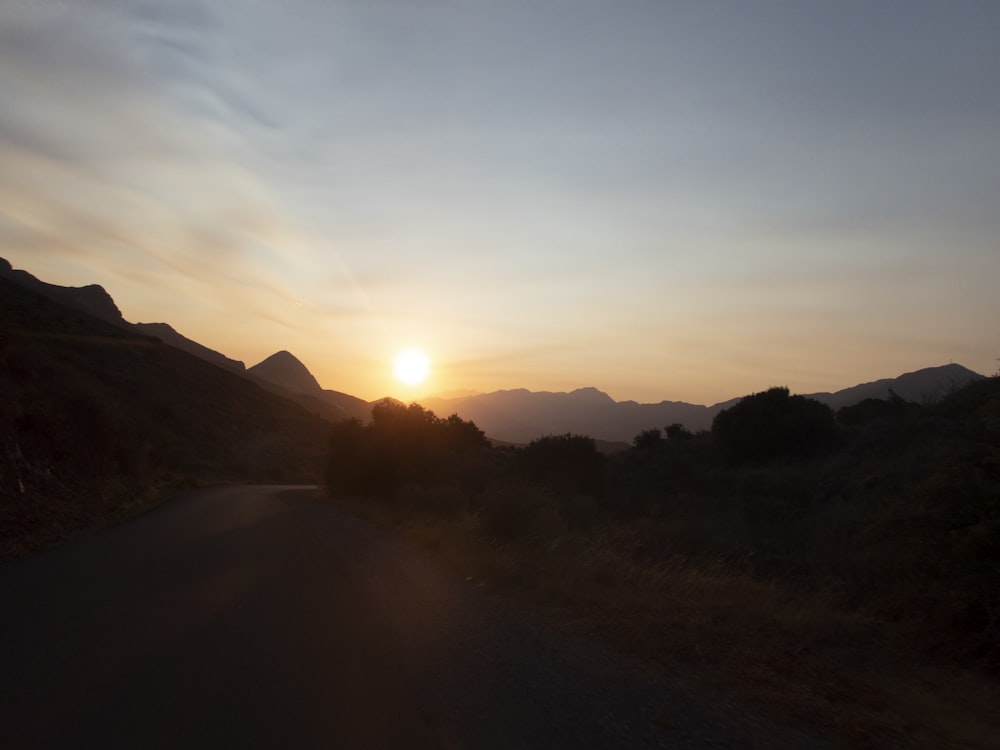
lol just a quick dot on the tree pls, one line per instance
(873, 409)
(565, 464)
(677, 431)
(402, 445)
(773, 424)
(648, 440)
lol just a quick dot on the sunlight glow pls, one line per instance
(411, 366)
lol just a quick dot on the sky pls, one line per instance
(666, 200)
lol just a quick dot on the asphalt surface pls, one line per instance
(256, 617)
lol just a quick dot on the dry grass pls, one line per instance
(852, 676)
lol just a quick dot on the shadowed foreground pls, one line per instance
(257, 617)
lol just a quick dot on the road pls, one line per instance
(257, 617)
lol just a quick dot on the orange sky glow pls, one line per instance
(666, 201)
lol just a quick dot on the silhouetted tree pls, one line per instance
(772, 424)
(677, 431)
(871, 409)
(648, 440)
(402, 445)
(565, 464)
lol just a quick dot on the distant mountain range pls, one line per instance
(515, 416)
(519, 415)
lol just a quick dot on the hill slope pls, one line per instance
(93, 413)
(94, 300)
(168, 335)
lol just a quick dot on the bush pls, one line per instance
(403, 445)
(564, 464)
(518, 511)
(772, 424)
(875, 409)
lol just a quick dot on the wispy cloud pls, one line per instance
(793, 184)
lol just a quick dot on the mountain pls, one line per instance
(280, 373)
(94, 300)
(928, 384)
(168, 335)
(94, 414)
(519, 416)
(515, 416)
(91, 299)
(283, 373)
(284, 370)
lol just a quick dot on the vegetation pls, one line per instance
(401, 446)
(773, 424)
(816, 562)
(844, 567)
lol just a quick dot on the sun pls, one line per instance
(411, 366)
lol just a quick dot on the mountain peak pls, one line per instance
(285, 370)
(593, 395)
(92, 299)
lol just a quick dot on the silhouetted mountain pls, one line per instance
(94, 413)
(283, 369)
(929, 384)
(519, 416)
(94, 300)
(168, 335)
(91, 299)
(283, 373)
(351, 406)
(515, 416)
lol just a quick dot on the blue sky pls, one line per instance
(666, 200)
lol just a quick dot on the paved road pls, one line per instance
(246, 617)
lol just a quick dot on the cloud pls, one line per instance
(512, 175)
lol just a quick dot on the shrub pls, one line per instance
(873, 409)
(403, 445)
(516, 511)
(773, 424)
(677, 431)
(648, 440)
(564, 464)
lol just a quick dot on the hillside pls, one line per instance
(168, 335)
(95, 300)
(94, 413)
(91, 299)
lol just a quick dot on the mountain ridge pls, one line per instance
(284, 369)
(284, 373)
(519, 415)
(515, 415)
(94, 300)
(96, 417)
